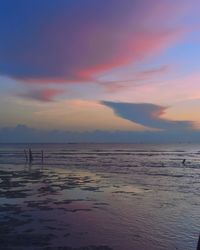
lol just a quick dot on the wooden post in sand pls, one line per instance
(198, 245)
(30, 156)
(42, 156)
(26, 156)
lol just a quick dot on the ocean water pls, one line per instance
(102, 196)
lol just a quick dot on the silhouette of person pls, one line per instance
(183, 162)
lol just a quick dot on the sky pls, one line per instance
(99, 71)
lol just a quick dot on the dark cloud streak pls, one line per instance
(43, 95)
(147, 114)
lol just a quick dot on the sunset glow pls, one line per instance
(56, 54)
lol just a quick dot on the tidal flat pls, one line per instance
(126, 206)
(37, 206)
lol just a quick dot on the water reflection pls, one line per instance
(116, 202)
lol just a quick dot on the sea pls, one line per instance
(100, 196)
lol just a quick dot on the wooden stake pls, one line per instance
(198, 246)
(30, 156)
(42, 156)
(26, 156)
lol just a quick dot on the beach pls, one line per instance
(100, 196)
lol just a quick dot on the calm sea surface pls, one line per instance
(120, 196)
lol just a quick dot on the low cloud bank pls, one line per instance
(24, 134)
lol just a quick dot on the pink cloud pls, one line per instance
(79, 43)
(44, 95)
(136, 78)
(132, 48)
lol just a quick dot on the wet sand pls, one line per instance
(126, 205)
(36, 206)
